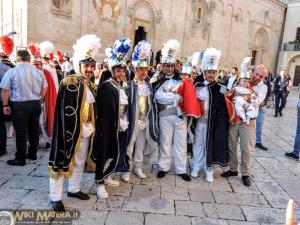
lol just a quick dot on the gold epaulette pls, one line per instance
(71, 79)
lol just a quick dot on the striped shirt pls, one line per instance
(3, 69)
(25, 82)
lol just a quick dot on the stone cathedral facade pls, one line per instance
(238, 27)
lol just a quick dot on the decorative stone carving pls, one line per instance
(157, 14)
(62, 7)
(107, 9)
(201, 12)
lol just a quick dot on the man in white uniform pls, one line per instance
(172, 135)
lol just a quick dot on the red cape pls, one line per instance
(191, 105)
(50, 101)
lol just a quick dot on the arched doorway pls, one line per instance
(143, 18)
(139, 35)
(259, 48)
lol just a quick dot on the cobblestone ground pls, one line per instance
(171, 200)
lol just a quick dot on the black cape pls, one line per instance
(67, 127)
(217, 127)
(106, 152)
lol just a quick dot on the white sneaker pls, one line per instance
(101, 192)
(110, 182)
(139, 173)
(194, 173)
(209, 176)
(125, 176)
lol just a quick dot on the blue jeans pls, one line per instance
(259, 123)
(297, 138)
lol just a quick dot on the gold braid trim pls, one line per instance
(71, 164)
(91, 166)
(71, 79)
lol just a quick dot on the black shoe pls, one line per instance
(58, 206)
(161, 174)
(280, 114)
(185, 177)
(79, 194)
(16, 162)
(260, 146)
(275, 115)
(229, 173)
(291, 155)
(31, 157)
(3, 152)
(246, 181)
(47, 146)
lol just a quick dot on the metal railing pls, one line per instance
(291, 46)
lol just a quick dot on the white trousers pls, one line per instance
(172, 142)
(56, 186)
(139, 147)
(199, 147)
(42, 122)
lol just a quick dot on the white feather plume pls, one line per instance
(85, 46)
(246, 63)
(145, 51)
(211, 56)
(46, 48)
(171, 47)
(196, 59)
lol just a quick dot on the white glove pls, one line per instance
(87, 130)
(123, 124)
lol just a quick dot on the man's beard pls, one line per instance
(88, 75)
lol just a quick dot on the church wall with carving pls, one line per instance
(237, 27)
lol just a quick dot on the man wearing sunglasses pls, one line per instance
(172, 134)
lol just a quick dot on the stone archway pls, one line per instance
(260, 47)
(144, 14)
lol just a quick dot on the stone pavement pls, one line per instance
(171, 200)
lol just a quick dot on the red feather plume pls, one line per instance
(7, 44)
(51, 56)
(33, 49)
(60, 56)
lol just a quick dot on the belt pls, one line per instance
(166, 110)
(162, 107)
(253, 119)
(26, 102)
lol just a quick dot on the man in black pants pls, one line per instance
(25, 85)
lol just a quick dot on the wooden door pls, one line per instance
(296, 81)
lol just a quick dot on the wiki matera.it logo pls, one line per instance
(6, 218)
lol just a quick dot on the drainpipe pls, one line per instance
(125, 16)
(280, 41)
(81, 17)
(183, 39)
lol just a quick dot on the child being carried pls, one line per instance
(243, 96)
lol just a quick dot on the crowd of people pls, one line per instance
(104, 118)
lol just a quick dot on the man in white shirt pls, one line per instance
(232, 78)
(66, 67)
(261, 91)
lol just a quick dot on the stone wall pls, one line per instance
(235, 26)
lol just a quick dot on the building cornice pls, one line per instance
(278, 3)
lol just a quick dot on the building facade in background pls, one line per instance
(237, 27)
(289, 59)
